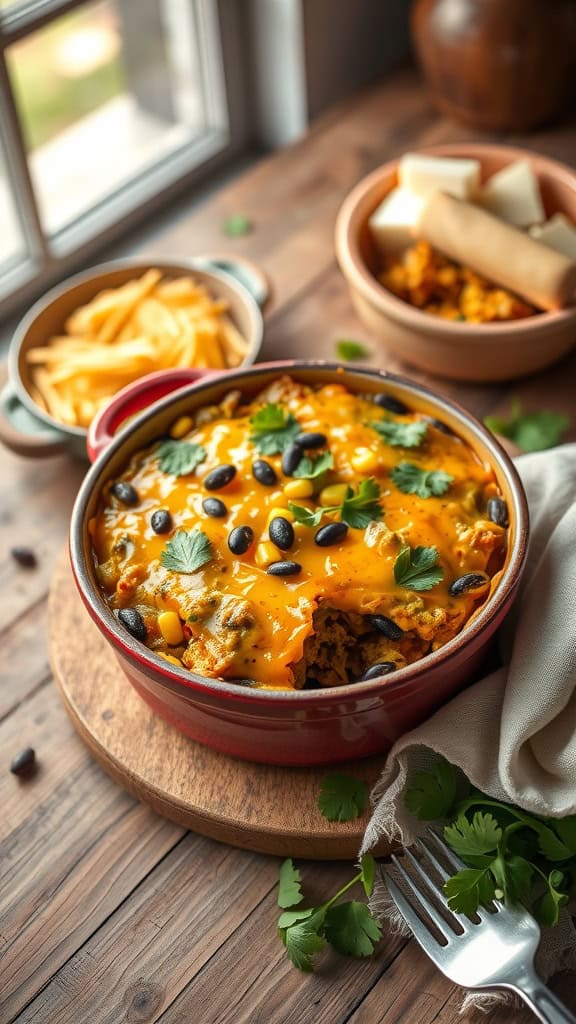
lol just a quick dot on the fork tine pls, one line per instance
(423, 901)
(436, 889)
(440, 869)
(419, 930)
(445, 849)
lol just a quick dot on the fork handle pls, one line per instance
(541, 1000)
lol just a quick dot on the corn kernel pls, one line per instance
(171, 628)
(170, 658)
(265, 554)
(365, 460)
(181, 426)
(334, 494)
(299, 489)
(275, 512)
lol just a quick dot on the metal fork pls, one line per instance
(496, 951)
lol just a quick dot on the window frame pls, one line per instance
(218, 25)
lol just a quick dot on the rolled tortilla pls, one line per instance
(498, 251)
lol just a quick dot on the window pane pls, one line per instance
(12, 244)
(105, 92)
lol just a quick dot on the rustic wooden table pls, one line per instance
(109, 913)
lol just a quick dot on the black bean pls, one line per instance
(382, 668)
(25, 557)
(470, 581)
(250, 683)
(442, 427)
(390, 403)
(215, 508)
(497, 511)
(284, 569)
(161, 521)
(281, 533)
(264, 473)
(330, 534)
(133, 622)
(24, 764)
(240, 539)
(125, 493)
(312, 440)
(219, 477)
(291, 459)
(387, 627)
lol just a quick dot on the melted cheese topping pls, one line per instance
(238, 621)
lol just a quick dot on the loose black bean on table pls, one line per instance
(24, 763)
(25, 557)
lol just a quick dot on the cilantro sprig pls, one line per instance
(401, 435)
(531, 431)
(187, 552)
(426, 483)
(273, 429)
(346, 925)
(309, 469)
(180, 457)
(358, 509)
(417, 568)
(348, 350)
(508, 854)
(342, 797)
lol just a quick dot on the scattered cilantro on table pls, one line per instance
(417, 568)
(531, 431)
(273, 429)
(187, 552)
(342, 797)
(426, 483)
(237, 225)
(508, 854)
(358, 509)
(349, 350)
(180, 457)
(346, 925)
(400, 435)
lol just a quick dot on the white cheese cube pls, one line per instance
(393, 223)
(425, 175)
(513, 194)
(558, 233)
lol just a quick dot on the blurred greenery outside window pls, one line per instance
(104, 105)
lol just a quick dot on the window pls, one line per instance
(105, 103)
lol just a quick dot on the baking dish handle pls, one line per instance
(133, 399)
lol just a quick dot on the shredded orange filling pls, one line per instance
(425, 278)
(231, 617)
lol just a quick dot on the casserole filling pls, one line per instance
(307, 538)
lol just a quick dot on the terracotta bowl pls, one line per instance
(294, 727)
(28, 429)
(461, 351)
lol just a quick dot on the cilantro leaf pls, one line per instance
(273, 429)
(547, 907)
(289, 891)
(350, 928)
(187, 552)
(531, 431)
(417, 569)
(302, 940)
(368, 870)
(401, 435)
(180, 457)
(237, 225)
(468, 888)
(290, 917)
(308, 469)
(426, 483)
(348, 350)
(358, 510)
(432, 794)
(566, 829)
(513, 877)
(342, 797)
(305, 515)
(473, 838)
(553, 848)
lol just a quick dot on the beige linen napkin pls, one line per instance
(513, 733)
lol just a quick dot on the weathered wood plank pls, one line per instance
(24, 665)
(73, 847)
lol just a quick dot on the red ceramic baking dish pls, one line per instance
(291, 727)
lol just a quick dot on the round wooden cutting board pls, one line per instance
(258, 807)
